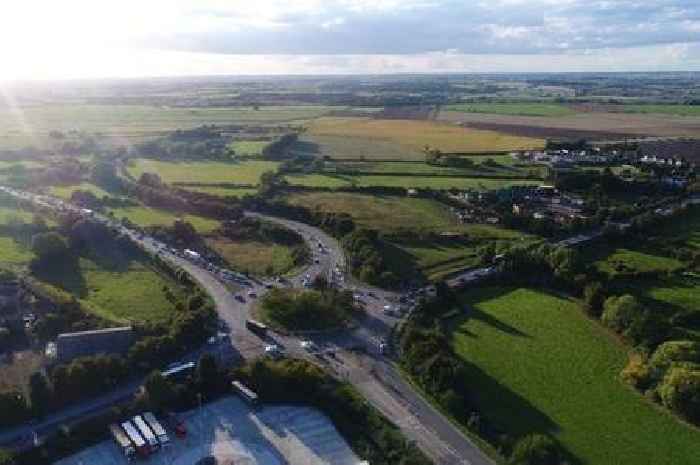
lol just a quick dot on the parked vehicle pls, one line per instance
(246, 394)
(157, 429)
(136, 439)
(146, 433)
(122, 440)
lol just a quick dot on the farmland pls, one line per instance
(677, 110)
(126, 124)
(349, 134)
(254, 257)
(384, 213)
(222, 191)
(248, 147)
(13, 252)
(418, 182)
(517, 109)
(623, 260)
(65, 192)
(243, 173)
(561, 376)
(116, 288)
(146, 216)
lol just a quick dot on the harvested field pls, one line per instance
(688, 148)
(597, 125)
(517, 109)
(411, 136)
(416, 112)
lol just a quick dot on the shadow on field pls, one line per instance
(64, 274)
(476, 314)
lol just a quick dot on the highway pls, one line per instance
(372, 374)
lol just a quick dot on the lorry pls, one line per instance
(157, 429)
(146, 433)
(256, 327)
(136, 440)
(246, 394)
(122, 441)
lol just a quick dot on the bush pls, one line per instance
(680, 392)
(594, 298)
(620, 312)
(308, 310)
(535, 449)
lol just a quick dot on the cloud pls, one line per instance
(422, 26)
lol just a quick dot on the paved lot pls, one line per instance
(230, 431)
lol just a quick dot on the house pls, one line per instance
(101, 341)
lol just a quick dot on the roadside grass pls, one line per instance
(65, 192)
(622, 260)
(246, 172)
(146, 216)
(122, 290)
(417, 182)
(258, 258)
(515, 109)
(248, 147)
(677, 110)
(133, 123)
(537, 363)
(384, 213)
(413, 136)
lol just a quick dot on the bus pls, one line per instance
(256, 327)
(146, 433)
(157, 428)
(122, 441)
(136, 439)
(246, 394)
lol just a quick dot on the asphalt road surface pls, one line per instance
(376, 378)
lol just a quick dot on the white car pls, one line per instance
(273, 351)
(309, 346)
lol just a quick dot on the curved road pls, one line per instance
(375, 377)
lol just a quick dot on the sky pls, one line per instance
(49, 39)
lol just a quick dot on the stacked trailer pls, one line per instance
(135, 437)
(122, 441)
(157, 429)
(146, 433)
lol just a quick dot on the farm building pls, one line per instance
(101, 341)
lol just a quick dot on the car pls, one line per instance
(252, 294)
(239, 298)
(309, 346)
(274, 351)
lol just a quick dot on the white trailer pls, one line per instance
(157, 429)
(135, 438)
(247, 394)
(192, 254)
(146, 433)
(122, 440)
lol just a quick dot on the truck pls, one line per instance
(179, 371)
(246, 394)
(136, 440)
(192, 254)
(157, 429)
(122, 441)
(146, 433)
(256, 327)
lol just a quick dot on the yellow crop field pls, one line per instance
(413, 135)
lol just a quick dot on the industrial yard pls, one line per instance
(232, 432)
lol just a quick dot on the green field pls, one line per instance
(145, 216)
(132, 123)
(13, 252)
(123, 291)
(385, 213)
(418, 182)
(677, 110)
(65, 192)
(8, 214)
(536, 363)
(516, 109)
(685, 229)
(258, 258)
(222, 191)
(622, 261)
(249, 147)
(419, 167)
(245, 173)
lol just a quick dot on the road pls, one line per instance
(376, 378)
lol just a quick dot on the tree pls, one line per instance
(159, 391)
(5, 337)
(39, 394)
(13, 407)
(208, 377)
(620, 312)
(594, 297)
(49, 246)
(680, 392)
(535, 449)
(6, 457)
